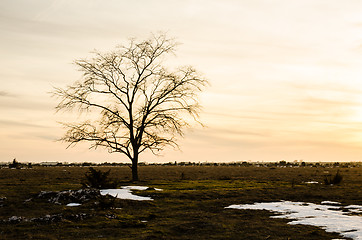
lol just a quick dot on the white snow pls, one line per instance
(354, 208)
(312, 182)
(73, 204)
(330, 203)
(331, 218)
(139, 188)
(125, 193)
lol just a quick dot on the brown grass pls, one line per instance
(191, 205)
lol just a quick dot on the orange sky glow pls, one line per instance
(286, 76)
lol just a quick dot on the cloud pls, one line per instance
(24, 103)
(6, 94)
(44, 136)
(10, 123)
(340, 87)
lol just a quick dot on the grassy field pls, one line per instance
(191, 205)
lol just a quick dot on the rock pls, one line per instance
(80, 196)
(48, 218)
(111, 216)
(15, 219)
(77, 217)
(2, 201)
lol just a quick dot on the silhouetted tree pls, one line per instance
(140, 104)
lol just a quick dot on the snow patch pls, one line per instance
(330, 203)
(331, 218)
(354, 208)
(141, 188)
(73, 204)
(126, 193)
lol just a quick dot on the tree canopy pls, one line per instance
(139, 104)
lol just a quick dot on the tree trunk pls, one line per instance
(135, 169)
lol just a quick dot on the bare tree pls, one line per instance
(139, 104)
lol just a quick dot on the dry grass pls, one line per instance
(191, 205)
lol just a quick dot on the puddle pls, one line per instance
(328, 216)
(126, 193)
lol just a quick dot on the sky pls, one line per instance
(285, 76)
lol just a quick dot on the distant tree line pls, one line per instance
(15, 164)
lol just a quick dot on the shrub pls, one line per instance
(14, 164)
(336, 179)
(98, 179)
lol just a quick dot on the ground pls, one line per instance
(191, 205)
